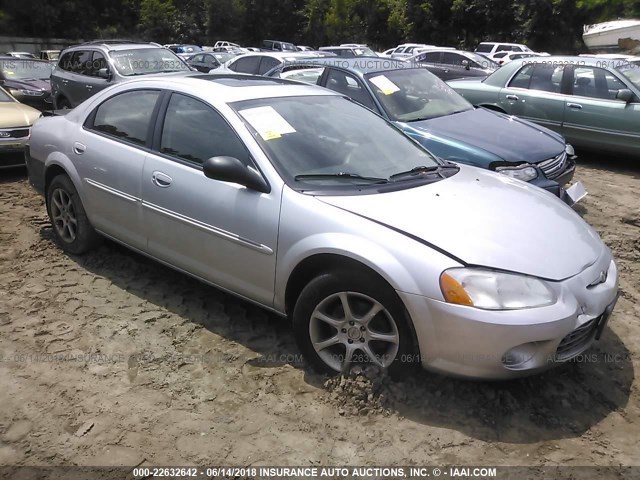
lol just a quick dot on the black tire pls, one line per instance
(71, 227)
(63, 104)
(324, 292)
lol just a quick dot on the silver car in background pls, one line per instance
(302, 201)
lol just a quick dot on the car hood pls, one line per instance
(486, 219)
(41, 84)
(507, 137)
(14, 114)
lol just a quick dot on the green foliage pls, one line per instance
(547, 25)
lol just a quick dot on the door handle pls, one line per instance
(89, 87)
(446, 70)
(575, 106)
(514, 98)
(65, 81)
(161, 180)
(79, 148)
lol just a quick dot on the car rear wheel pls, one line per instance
(71, 227)
(343, 319)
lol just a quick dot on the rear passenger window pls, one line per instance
(194, 132)
(542, 76)
(431, 57)
(126, 116)
(65, 62)
(246, 65)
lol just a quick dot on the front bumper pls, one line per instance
(12, 152)
(555, 185)
(473, 343)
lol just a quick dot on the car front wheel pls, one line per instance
(71, 227)
(344, 319)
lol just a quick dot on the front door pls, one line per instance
(221, 232)
(596, 118)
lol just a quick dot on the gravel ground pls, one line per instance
(111, 359)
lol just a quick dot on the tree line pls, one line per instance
(554, 26)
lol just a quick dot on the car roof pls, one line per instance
(503, 43)
(278, 55)
(362, 65)
(115, 45)
(13, 59)
(229, 88)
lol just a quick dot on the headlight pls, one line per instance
(522, 172)
(29, 93)
(570, 151)
(490, 290)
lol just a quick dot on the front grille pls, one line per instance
(14, 133)
(554, 167)
(576, 341)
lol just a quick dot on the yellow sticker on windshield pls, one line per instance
(270, 135)
(267, 122)
(386, 86)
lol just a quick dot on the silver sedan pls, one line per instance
(311, 206)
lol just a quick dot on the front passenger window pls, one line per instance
(126, 116)
(193, 131)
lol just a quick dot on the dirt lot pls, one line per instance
(113, 359)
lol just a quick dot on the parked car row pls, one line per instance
(317, 177)
(298, 199)
(433, 114)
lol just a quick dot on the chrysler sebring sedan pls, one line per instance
(426, 109)
(302, 201)
(593, 102)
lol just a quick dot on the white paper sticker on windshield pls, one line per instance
(268, 123)
(384, 84)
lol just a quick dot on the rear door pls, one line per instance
(595, 117)
(222, 232)
(109, 153)
(536, 92)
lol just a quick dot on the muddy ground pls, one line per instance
(111, 358)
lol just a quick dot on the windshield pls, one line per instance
(146, 60)
(21, 69)
(365, 52)
(335, 141)
(415, 94)
(631, 70)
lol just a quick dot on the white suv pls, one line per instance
(489, 48)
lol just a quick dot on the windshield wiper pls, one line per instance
(420, 170)
(345, 175)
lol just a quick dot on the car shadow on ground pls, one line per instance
(12, 175)
(609, 162)
(562, 403)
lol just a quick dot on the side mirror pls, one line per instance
(230, 169)
(625, 95)
(104, 73)
(466, 65)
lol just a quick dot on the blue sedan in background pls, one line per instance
(432, 113)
